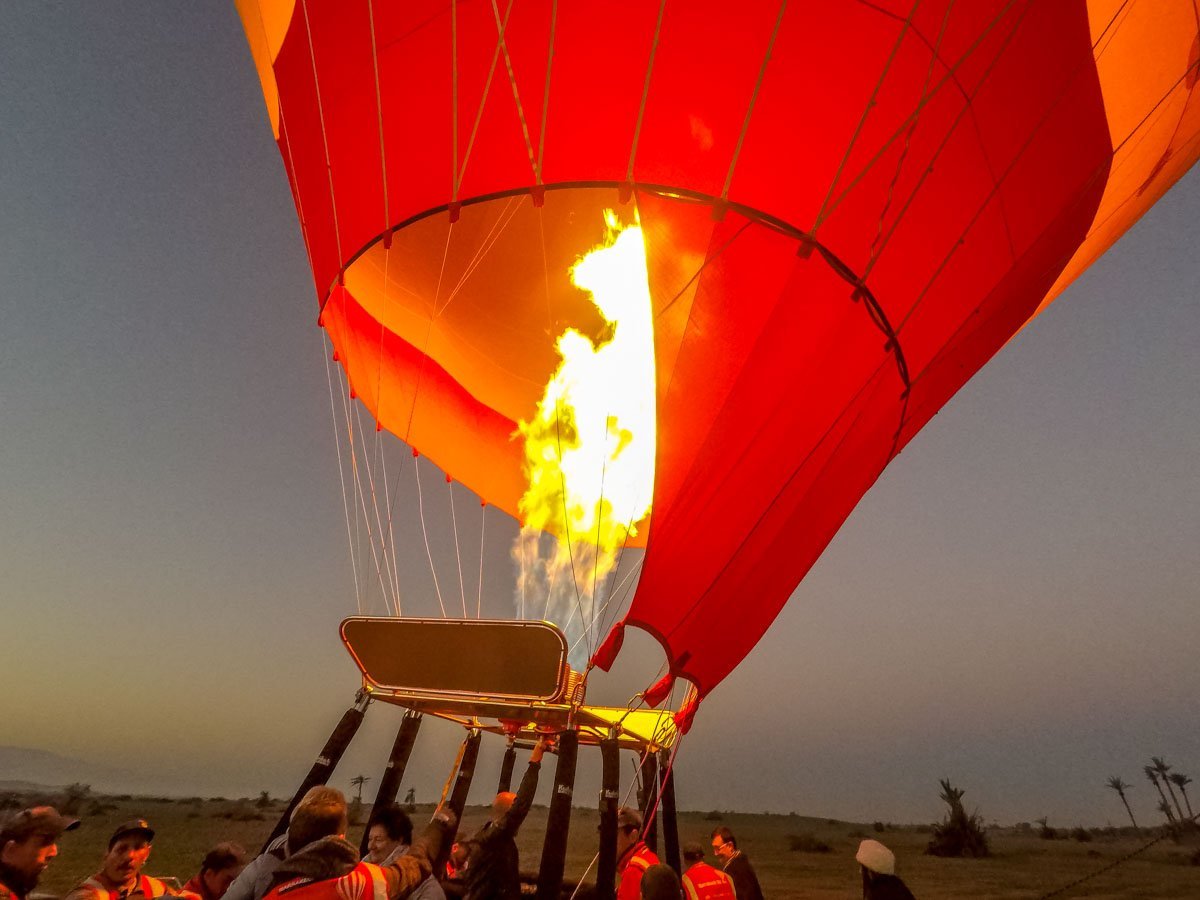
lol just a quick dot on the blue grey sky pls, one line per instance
(1013, 606)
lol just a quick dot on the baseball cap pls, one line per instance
(693, 850)
(37, 820)
(133, 826)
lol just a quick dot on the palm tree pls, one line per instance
(358, 781)
(1163, 771)
(1119, 786)
(1164, 807)
(1181, 782)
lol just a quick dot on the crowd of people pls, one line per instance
(312, 860)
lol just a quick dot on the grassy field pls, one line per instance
(1023, 867)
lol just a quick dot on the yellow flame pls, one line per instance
(589, 450)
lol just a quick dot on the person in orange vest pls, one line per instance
(218, 870)
(328, 867)
(28, 841)
(120, 874)
(700, 880)
(633, 856)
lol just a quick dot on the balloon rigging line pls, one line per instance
(762, 71)
(609, 596)
(878, 247)
(637, 128)
(498, 228)
(566, 515)
(370, 470)
(366, 520)
(934, 56)
(379, 110)
(487, 86)
(312, 56)
(389, 537)
(482, 526)
(462, 589)
(546, 94)
(829, 208)
(512, 80)
(1017, 158)
(870, 104)
(337, 443)
(425, 533)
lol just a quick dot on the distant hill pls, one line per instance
(31, 769)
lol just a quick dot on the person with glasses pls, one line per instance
(736, 865)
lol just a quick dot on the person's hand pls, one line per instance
(445, 815)
(539, 749)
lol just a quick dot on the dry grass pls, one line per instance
(1023, 867)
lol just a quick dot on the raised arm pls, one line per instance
(406, 873)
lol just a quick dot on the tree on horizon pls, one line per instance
(1164, 806)
(1181, 782)
(1164, 772)
(358, 781)
(1119, 786)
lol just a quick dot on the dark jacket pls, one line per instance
(493, 872)
(885, 887)
(745, 882)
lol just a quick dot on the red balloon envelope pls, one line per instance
(848, 208)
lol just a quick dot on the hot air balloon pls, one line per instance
(825, 217)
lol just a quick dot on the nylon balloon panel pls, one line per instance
(465, 659)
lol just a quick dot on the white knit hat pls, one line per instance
(876, 857)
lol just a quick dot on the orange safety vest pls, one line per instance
(365, 881)
(640, 859)
(703, 882)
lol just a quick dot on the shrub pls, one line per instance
(713, 815)
(879, 827)
(959, 834)
(1046, 831)
(1081, 834)
(72, 798)
(807, 842)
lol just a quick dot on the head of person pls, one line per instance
(502, 804)
(389, 829)
(128, 851)
(875, 859)
(320, 814)
(629, 829)
(724, 844)
(460, 851)
(693, 853)
(220, 866)
(660, 882)
(28, 841)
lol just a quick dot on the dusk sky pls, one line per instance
(1013, 606)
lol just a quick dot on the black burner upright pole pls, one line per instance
(458, 795)
(326, 761)
(393, 774)
(670, 825)
(558, 823)
(648, 800)
(506, 769)
(610, 794)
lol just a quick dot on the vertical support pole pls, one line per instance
(393, 774)
(458, 795)
(648, 800)
(558, 824)
(326, 760)
(506, 769)
(670, 825)
(610, 792)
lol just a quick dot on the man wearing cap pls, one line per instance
(633, 856)
(28, 841)
(736, 865)
(120, 875)
(700, 880)
(879, 878)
